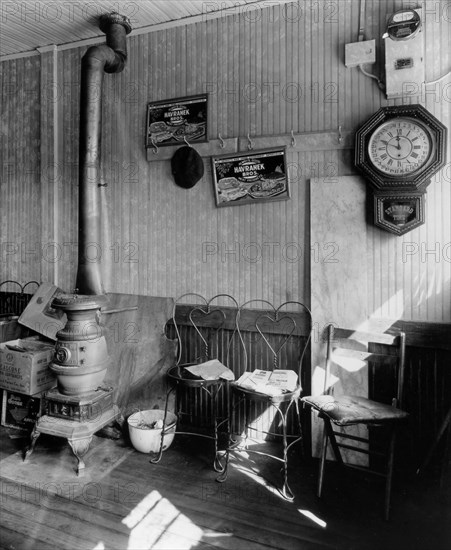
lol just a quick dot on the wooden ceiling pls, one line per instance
(28, 25)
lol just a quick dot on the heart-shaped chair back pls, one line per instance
(275, 331)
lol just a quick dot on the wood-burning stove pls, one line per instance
(80, 405)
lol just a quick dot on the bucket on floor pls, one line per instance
(145, 430)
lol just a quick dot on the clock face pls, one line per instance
(400, 146)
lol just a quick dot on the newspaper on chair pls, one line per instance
(211, 370)
(269, 382)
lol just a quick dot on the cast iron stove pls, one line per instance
(80, 406)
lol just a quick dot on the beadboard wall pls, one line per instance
(268, 73)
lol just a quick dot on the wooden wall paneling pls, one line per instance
(8, 82)
(259, 95)
(243, 55)
(31, 159)
(234, 128)
(292, 71)
(212, 68)
(20, 171)
(427, 400)
(344, 77)
(268, 79)
(285, 78)
(142, 175)
(137, 130)
(3, 178)
(332, 61)
(307, 49)
(294, 74)
(112, 176)
(318, 82)
(242, 104)
(69, 66)
(27, 248)
(50, 164)
(125, 114)
(216, 89)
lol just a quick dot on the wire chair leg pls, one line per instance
(322, 462)
(157, 456)
(223, 461)
(286, 491)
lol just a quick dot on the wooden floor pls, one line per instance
(124, 502)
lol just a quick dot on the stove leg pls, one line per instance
(33, 438)
(80, 447)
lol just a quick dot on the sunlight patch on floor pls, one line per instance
(311, 515)
(156, 523)
(258, 479)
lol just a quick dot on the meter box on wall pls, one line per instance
(404, 54)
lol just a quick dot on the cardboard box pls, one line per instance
(10, 328)
(24, 366)
(40, 316)
(20, 411)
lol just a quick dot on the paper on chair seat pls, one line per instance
(269, 382)
(211, 370)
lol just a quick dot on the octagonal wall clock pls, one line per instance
(401, 147)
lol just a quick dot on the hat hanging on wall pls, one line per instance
(187, 167)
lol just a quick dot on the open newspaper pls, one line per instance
(211, 370)
(269, 382)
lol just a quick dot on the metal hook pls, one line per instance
(221, 141)
(293, 140)
(250, 145)
(340, 135)
(186, 141)
(155, 148)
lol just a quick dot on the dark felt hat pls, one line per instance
(187, 167)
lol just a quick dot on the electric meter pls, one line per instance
(403, 25)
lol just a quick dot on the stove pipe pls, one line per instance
(110, 58)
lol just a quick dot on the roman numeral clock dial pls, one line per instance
(400, 147)
(398, 150)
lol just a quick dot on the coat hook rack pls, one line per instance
(221, 141)
(250, 145)
(155, 147)
(293, 139)
(340, 135)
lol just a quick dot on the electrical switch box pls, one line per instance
(359, 53)
(404, 54)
